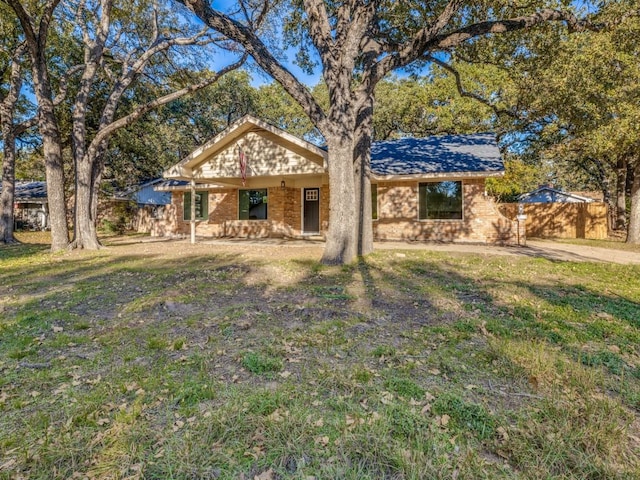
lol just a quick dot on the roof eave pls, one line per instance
(438, 175)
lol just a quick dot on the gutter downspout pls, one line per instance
(193, 211)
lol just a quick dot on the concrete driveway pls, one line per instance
(554, 251)
(548, 249)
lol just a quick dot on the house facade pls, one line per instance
(254, 180)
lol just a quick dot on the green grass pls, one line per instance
(171, 361)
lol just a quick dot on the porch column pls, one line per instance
(193, 211)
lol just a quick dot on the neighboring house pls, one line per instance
(31, 209)
(547, 194)
(149, 204)
(255, 180)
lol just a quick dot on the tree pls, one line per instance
(357, 44)
(35, 27)
(11, 76)
(583, 104)
(114, 45)
(137, 45)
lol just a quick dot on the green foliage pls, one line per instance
(520, 177)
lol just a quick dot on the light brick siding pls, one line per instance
(284, 216)
(481, 221)
(397, 216)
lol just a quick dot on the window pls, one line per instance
(252, 204)
(374, 201)
(440, 201)
(311, 195)
(202, 206)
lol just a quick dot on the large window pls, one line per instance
(374, 201)
(252, 204)
(202, 206)
(440, 201)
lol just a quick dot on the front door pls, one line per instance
(311, 212)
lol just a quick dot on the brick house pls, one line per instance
(254, 180)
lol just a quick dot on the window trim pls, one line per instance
(203, 194)
(462, 216)
(377, 204)
(266, 190)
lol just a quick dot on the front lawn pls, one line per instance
(175, 361)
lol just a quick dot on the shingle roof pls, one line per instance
(548, 194)
(171, 184)
(477, 153)
(30, 190)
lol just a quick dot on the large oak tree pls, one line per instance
(358, 43)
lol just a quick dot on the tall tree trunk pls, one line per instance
(341, 246)
(48, 128)
(36, 40)
(621, 198)
(362, 168)
(633, 232)
(8, 183)
(8, 138)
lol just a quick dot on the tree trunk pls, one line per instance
(341, 246)
(633, 232)
(8, 184)
(48, 128)
(362, 168)
(621, 199)
(84, 226)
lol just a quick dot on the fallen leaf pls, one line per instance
(57, 329)
(443, 420)
(266, 475)
(503, 433)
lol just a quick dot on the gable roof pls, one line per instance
(463, 155)
(235, 131)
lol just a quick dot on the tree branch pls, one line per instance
(108, 130)
(463, 93)
(422, 43)
(261, 54)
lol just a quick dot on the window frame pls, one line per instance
(186, 213)
(375, 214)
(266, 203)
(441, 219)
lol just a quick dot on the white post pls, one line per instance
(193, 211)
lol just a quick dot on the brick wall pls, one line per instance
(284, 212)
(397, 216)
(481, 221)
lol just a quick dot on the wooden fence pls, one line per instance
(562, 220)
